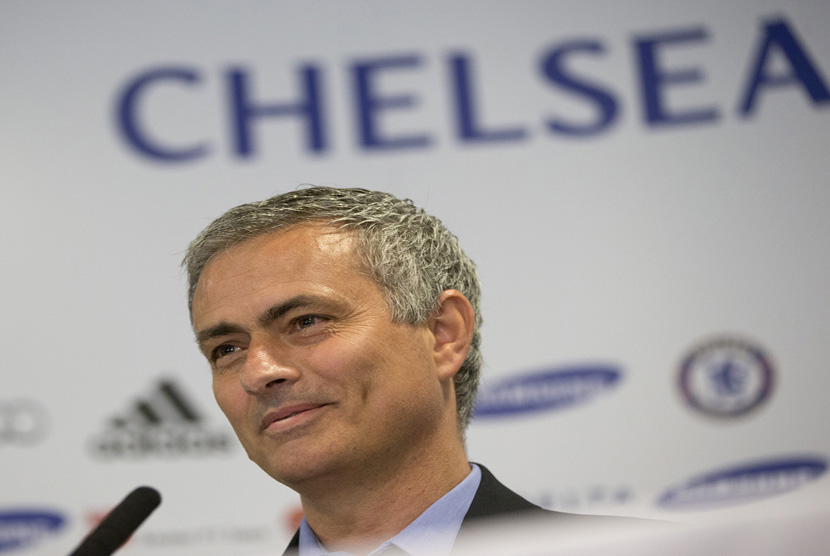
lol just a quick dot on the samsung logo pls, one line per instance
(21, 528)
(545, 390)
(744, 483)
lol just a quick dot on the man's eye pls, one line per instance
(307, 321)
(224, 350)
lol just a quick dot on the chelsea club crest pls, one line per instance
(726, 377)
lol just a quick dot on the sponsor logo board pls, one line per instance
(233, 539)
(744, 483)
(726, 377)
(545, 390)
(164, 423)
(22, 422)
(583, 499)
(22, 528)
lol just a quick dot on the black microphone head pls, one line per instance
(121, 522)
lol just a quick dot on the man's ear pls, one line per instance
(452, 327)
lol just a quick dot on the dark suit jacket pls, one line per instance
(492, 500)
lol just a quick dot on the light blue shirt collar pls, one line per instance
(431, 534)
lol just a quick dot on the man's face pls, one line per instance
(307, 365)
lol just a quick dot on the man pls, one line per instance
(342, 329)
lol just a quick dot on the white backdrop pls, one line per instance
(597, 160)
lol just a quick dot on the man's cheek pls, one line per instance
(229, 403)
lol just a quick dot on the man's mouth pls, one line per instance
(288, 412)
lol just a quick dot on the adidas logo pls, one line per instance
(163, 423)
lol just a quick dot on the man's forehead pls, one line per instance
(307, 253)
(302, 246)
(321, 236)
(336, 240)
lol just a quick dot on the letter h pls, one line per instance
(244, 111)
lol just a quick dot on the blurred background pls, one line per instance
(643, 185)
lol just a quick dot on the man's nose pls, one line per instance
(266, 366)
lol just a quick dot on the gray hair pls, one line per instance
(411, 254)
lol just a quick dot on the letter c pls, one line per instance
(128, 121)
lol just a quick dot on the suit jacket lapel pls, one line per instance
(493, 498)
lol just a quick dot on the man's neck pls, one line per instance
(362, 511)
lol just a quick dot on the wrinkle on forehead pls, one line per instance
(328, 239)
(331, 243)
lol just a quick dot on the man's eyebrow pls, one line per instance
(221, 329)
(275, 312)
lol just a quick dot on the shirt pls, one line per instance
(431, 534)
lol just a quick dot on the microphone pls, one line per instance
(121, 522)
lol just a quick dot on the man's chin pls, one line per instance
(297, 472)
